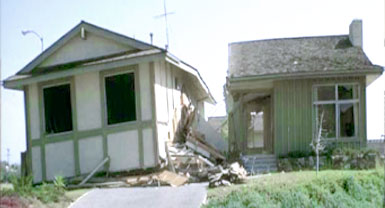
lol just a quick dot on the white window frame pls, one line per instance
(337, 104)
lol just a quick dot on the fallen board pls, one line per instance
(204, 149)
(172, 178)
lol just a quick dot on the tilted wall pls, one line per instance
(130, 145)
(168, 93)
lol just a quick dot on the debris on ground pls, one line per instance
(162, 178)
(171, 178)
(195, 158)
(189, 158)
(234, 173)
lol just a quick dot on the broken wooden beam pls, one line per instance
(204, 149)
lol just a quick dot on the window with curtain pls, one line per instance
(57, 109)
(339, 105)
(120, 98)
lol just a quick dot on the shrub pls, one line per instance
(298, 154)
(331, 189)
(46, 193)
(22, 185)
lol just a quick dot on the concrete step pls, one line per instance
(255, 164)
(260, 166)
(260, 161)
(258, 156)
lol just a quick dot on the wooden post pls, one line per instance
(169, 161)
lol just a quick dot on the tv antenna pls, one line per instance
(165, 20)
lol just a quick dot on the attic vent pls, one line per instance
(344, 43)
(83, 33)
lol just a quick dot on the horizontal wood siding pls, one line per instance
(293, 114)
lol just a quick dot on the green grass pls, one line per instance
(331, 188)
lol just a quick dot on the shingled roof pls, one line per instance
(297, 55)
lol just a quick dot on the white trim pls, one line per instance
(55, 84)
(336, 102)
(355, 102)
(14, 84)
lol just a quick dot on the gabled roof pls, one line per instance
(132, 49)
(297, 55)
(76, 30)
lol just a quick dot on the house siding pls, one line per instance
(88, 101)
(168, 100)
(80, 49)
(292, 116)
(91, 139)
(294, 120)
(33, 111)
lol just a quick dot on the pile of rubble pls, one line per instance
(191, 159)
(199, 168)
(234, 173)
(163, 178)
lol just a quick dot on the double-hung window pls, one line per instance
(339, 105)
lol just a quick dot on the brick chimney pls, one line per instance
(355, 33)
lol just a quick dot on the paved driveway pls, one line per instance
(191, 195)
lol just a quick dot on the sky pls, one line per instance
(199, 34)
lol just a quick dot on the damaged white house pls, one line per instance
(95, 94)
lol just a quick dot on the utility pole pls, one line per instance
(7, 167)
(8, 155)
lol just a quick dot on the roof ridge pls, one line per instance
(288, 38)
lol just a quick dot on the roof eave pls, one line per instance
(190, 69)
(17, 83)
(302, 75)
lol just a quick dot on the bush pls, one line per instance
(22, 186)
(331, 189)
(298, 154)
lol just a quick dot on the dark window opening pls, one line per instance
(347, 127)
(120, 98)
(57, 109)
(346, 92)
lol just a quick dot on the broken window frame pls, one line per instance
(105, 96)
(58, 84)
(355, 101)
